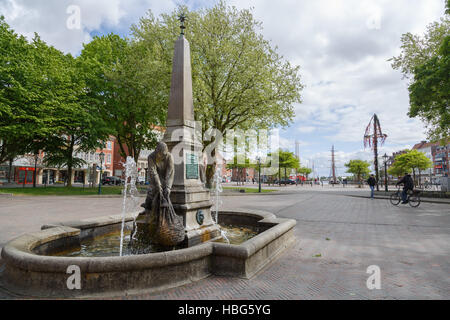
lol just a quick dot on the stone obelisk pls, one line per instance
(189, 197)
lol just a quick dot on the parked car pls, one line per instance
(283, 181)
(112, 181)
(141, 180)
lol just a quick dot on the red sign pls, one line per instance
(26, 169)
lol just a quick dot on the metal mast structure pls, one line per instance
(373, 137)
(313, 171)
(333, 165)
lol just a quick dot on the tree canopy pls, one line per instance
(130, 87)
(359, 168)
(239, 79)
(305, 171)
(430, 93)
(410, 161)
(22, 117)
(44, 105)
(425, 61)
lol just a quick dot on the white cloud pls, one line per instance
(342, 47)
(49, 18)
(306, 129)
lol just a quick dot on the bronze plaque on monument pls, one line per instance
(191, 166)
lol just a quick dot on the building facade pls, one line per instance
(23, 168)
(439, 156)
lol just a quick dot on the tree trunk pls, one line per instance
(279, 176)
(69, 175)
(10, 170)
(420, 178)
(70, 161)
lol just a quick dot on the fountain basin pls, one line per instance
(29, 270)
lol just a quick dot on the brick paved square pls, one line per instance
(337, 238)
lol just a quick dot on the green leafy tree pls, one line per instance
(129, 84)
(359, 168)
(425, 61)
(305, 171)
(397, 170)
(43, 103)
(430, 93)
(239, 167)
(76, 124)
(411, 161)
(286, 160)
(23, 111)
(239, 79)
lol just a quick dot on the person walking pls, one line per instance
(372, 183)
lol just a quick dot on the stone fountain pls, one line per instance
(35, 265)
(178, 176)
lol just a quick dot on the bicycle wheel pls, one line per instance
(395, 198)
(414, 200)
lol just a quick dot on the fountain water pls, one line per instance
(217, 201)
(129, 205)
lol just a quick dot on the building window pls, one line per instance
(108, 158)
(109, 145)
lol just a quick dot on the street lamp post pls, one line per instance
(259, 174)
(385, 157)
(102, 156)
(36, 155)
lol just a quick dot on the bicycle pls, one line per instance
(413, 197)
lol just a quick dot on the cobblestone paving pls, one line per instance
(411, 247)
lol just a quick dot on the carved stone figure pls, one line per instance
(160, 175)
(166, 227)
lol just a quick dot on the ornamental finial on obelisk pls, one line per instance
(182, 19)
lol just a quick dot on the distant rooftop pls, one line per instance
(425, 144)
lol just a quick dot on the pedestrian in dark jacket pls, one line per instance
(408, 184)
(372, 183)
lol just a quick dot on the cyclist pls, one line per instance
(408, 184)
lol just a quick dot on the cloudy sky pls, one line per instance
(342, 47)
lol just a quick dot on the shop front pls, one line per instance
(24, 175)
(49, 176)
(4, 174)
(79, 177)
